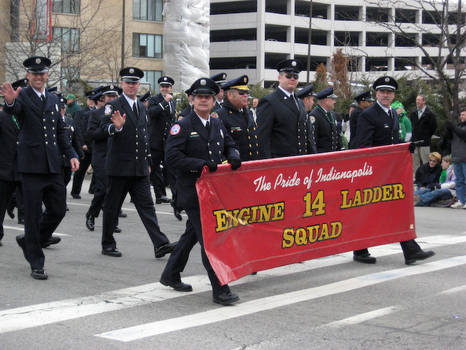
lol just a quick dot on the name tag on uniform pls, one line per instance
(235, 128)
(386, 126)
(194, 134)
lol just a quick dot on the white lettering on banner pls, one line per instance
(282, 181)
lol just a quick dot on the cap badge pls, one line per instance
(165, 79)
(131, 70)
(111, 87)
(38, 60)
(244, 80)
(293, 63)
(202, 82)
(387, 79)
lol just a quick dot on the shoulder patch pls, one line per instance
(175, 129)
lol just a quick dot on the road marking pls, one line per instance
(57, 311)
(453, 290)
(367, 316)
(22, 229)
(273, 302)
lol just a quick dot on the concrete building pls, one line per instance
(251, 37)
(94, 38)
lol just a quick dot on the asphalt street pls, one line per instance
(91, 301)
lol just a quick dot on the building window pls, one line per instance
(147, 10)
(151, 77)
(66, 6)
(147, 45)
(68, 38)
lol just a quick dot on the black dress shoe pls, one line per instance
(420, 255)
(178, 286)
(167, 248)
(20, 221)
(117, 229)
(111, 252)
(20, 240)
(50, 241)
(1, 243)
(365, 259)
(122, 215)
(225, 298)
(90, 222)
(162, 199)
(39, 274)
(76, 196)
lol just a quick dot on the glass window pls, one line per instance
(151, 77)
(66, 6)
(69, 75)
(68, 38)
(147, 45)
(148, 10)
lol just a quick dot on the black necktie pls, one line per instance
(135, 110)
(207, 126)
(42, 98)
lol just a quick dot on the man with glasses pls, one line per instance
(378, 126)
(281, 116)
(237, 119)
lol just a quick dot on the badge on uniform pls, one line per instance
(175, 129)
(108, 111)
(313, 119)
(194, 134)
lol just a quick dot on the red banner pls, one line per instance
(281, 211)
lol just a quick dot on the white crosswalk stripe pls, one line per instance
(58, 311)
(272, 302)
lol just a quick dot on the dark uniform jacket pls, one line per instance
(43, 134)
(311, 137)
(98, 136)
(9, 130)
(73, 138)
(354, 124)
(128, 151)
(327, 137)
(282, 127)
(81, 120)
(189, 147)
(376, 128)
(423, 128)
(160, 121)
(242, 129)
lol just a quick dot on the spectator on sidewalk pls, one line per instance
(428, 174)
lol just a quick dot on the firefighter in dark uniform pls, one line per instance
(378, 126)
(128, 165)
(73, 138)
(9, 179)
(162, 114)
(41, 140)
(98, 137)
(196, 141)
(219, 79)
(307, 95)
(328, 139)
(363, 101)
(81, 119)
(281, 117)
(237, 119)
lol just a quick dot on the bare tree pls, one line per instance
(445, 32)
(84, 43)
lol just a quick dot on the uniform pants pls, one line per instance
(179, 257)
(139, 189)
(38, 227)
(100, 188)
(7, 189)
(157, 175)
(420, 156)
(78, 176)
